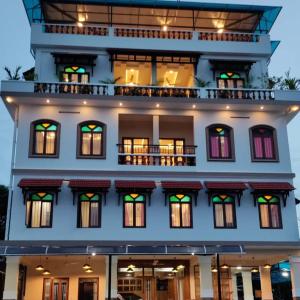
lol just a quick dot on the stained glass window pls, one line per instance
(269, 211)
(230, 80)
(229, 75)
(75, 69)
(45, 138)
(39, 210)
(91, 139)
(89, 210)
(180, 211)
(263, 143)
(220, 142)
(134, 210)
(224, 211)
(75, 74)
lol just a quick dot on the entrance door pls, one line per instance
(88, 289)
(56, 289)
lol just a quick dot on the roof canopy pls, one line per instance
(148, 13)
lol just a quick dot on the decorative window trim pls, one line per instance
(32, 139)
(79, 141)
(180, 203)
(275, 142)
(231, 144)
(134, 211)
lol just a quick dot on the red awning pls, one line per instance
(271, 186)
(225, 185)
(126, 184)
(188, 185)
(92, 184)
(40, 183)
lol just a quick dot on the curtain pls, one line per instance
(50, 142)
(268, 143)
(214, 147)
(224, 141)
(94, 214)
(46, 213)
(86, 143)
(258, 147)
(229, 215)
(39, 142)
(128, 214)
(36, 213)
(97, 137)
(264, 215)
(175, 214)
(275, 215)
(186, 215)
(219, 216)
(139, 214)
(85, 213)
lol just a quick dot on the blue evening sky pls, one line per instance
(14, 50)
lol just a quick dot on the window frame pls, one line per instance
(29, 225)
(134, 212)
(231, 143)
(269, 213)
(132, 144)
(180, 203)
(234, 80)
(88, 279)
(274, 140)
(79, 220)
(63, 72)
(52, 279)
(32, 140)
(79, 141)
(224, 212)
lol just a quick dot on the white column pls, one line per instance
(295, 276)
(266, 284)
(155, 130)
(114, 276)
(11, 278)
(206, 281)
(234, 286)
(247, 285)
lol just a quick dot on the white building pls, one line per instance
(150, 158)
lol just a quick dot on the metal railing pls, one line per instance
(229, 37)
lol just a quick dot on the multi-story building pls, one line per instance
(150, 158)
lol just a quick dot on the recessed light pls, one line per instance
(165, 28)
(220, 30)
(9, 100)
(48, 101)
(194, 106)
(157, 105)
(262, 107)
(93, 253)
(295, 108)
(121, 104)
(84, 102)
(239, 267)
(227, 107)
(79, 24)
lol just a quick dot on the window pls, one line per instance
(88, 289)
(224, 211)
(134, 210)
(135, 145)
(91, 140)
(180, 211)
(269, 211)
(39, 210)
(263, 141)
(44, 138)
(56, 289)
(89, 210)
(220, 142)
(75, 74)
(230, 80)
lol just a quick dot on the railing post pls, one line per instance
(202, 93)
(110, 90)
(111, 31)
(195, 35)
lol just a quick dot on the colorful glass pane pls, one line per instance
(134, 197)
(174, 199)
(222, 198)
(75, 69)
(89, 197)
(91, 128)
(229, 75)
(220, 131)
(42, 196)
(180, 198)
(128, 198)
(224, 76)
(84, 197)
(45, 127)
(268, 199)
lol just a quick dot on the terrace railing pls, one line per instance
(229, 37)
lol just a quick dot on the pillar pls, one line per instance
(295, 276)
(266, 284)
(206, 280)
(234, 286)
(111, 271)
(154, 73)
(155, 130)
(247, 285)
(11, 278)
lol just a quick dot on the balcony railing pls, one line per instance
(229, 37)
(248, 94)
(157, 155)
(156, 91)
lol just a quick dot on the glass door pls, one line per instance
(56, 289)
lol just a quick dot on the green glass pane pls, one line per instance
(35, 197)
(274, 200)
(80, 70)
(85, 129)
(69, 70)
(236, 76)
(224, 76)
(186, 199)
(174, 199)
(139, 198)
(52, 128)
(84, 197)
(262, 200)
(217, 199)
(98, 129)
(39, 127)
(96, 197)
(228, 199)
(48, 197)
(128, 198)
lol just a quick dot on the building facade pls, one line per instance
(151, 157)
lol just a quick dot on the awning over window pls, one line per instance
(236, 188)
(126, 186)
(43, 185)
(230, 65)
(189, 187)
(83, 185)
(281, 188)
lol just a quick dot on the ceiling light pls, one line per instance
(224, 266)
(46, 272)
(157, 105)
(86, 267)
(130, 270)
(214, 270)
(267, 266)
(93, 253)
(165, 28)
(131, 266)
(84, 102)
(227, 107)
(254, 270)
(79, 24)
(193, 253)
(194, 105)
(89, 271)
(220, 30)
(174, 270)
(294, 108)
(39, 268)
(180, 267)
(9, 100)
(121, 104)
(285, 273)
(239, 268)
(262, 107)
(48, 101)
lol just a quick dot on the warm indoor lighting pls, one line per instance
(93, 253)
(262, 107)
(165, 28)
(9, 100)
(254, 270)
(121, 104)
(294, 108)
(46, 272)
(180, 267)
(89, 271)
(194, 106)
(193, 253)
(174, 270)
(267, 266)
(239, 267)
(86, 267)
(130, 270)
(221, 30)
(214, 270)
(48, 101)
(84, 102)
(227, 107)
(131, 266)
(224, 266)
(285, 273)
(39, 268)
(79, 24)
(157, 105)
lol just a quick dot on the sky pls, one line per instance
(15, 50)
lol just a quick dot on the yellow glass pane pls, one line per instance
(92, 126)
(90, 195)
(219, 129)
(75, 68)
(268, 197)
(41, 194)
(134, 195)
(179, 196)
(223, 196)
(46, 125)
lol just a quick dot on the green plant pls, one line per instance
(290, 83)
(30, 75)
(13, 75)
(270, 83)
(201, 83)
(110, 81)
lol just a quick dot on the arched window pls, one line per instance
(220, 142)
(75, 74)
(44, 138)
(263, 141)
(230, 80)
(89, 210)
(269, 211)
(180, 211)
(134, 210)
(224, 211)
(91, 143)
(39, 210)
